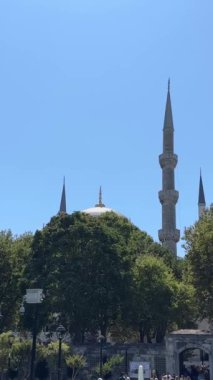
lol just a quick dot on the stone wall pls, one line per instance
(163, 358)
(154, 354)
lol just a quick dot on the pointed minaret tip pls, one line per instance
(63, 199)
(201, 196)
(169, 85)
(168, 119)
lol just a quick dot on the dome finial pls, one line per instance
(100, 196)
(100, 204)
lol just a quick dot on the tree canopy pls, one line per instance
(199, 248)
(99, 274)
(14, 254)
(83, 264)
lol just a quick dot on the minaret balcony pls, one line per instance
(168, 196)
(168, 160)
(169, 235)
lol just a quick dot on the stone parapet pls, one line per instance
(168, 196)
(168, 160)
(166, 235)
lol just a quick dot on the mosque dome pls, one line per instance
(99, 209)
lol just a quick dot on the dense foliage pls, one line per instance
(14, 254)
(100, 275)
(83, 264)
(199, 248)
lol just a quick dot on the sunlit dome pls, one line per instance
(99, 209)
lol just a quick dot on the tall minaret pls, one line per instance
(201, 198)
(63, 199)
(168, 235)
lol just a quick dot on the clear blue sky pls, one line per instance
(82, 93)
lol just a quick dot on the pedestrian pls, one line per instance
(122, 376)
(126, 377)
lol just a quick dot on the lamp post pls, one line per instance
(1, 317)
(11, 339)
(126, 361)
(60, 331)
(35, 297)
(100, 340)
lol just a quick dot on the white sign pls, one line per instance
(34, 296)
(133, 369)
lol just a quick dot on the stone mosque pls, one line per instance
(168, 358)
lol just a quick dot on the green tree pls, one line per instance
(199, 256)
(4, 351)
(14, 254)
(109, 366)
(74, 364)
(21, 356)
(87, 261)
(184, 307)
(49, 352)
(17, 355)
(153, 297)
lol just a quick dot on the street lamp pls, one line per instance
(126, 361)
(1, 317)
(11, 339)
(100, 340)
(35, 297)
(60, 332)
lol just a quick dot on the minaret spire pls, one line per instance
(168, 119)
(201, 198)
(63, 199)
(168, 235)
(168, 84)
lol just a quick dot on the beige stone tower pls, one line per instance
(168, 235)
